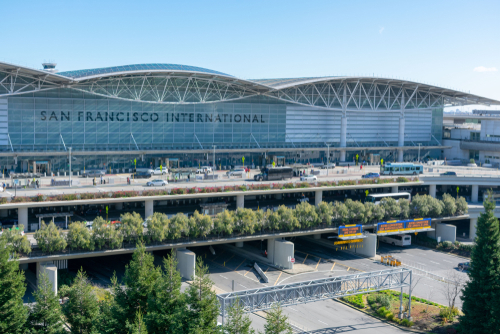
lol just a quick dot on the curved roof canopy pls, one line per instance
(78, 74)
(180, 84)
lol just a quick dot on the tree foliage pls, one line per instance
(12, 288)
(15, 238)
(157, 226)
(276, 322)
(481, 294)
(203, 304)
(45, 315)
(237, 321)
(178, 224)
(105, 234)
(49, 238)
(80, 237)
(82, 308)
(132, 226)
(306, 215)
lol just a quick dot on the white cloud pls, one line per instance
(381, 30)
(485, 69)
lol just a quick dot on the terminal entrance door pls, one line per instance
(42, 168)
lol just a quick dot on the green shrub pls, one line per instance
(384, 300)
(390, 317)
(406, 323)
(381, 311)
(356, 300)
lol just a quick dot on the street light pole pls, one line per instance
(419, 152)
(69, 167)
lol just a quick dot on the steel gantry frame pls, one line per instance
(320, 289)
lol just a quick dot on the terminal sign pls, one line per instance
(390, 227)
(350, 230)
(418, 224)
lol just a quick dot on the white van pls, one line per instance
(396, 239)
(204, 169)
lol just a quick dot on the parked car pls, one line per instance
(154, 183)
(93, 173)
(328, 166)
(309, 177)
(449, 174)
(141, 175)
(159, 171)
(370, 176)
(464, 266)
(204, 169)
(239, 172)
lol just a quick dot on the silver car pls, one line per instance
(236, 172)
(154, 183)
(308, 178)
(93, 173)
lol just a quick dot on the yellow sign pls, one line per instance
(367, 192)
(343, 242)
(161, 168)
(106, 209)
(381, 161)
(274, 164)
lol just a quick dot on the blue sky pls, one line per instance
(454, 44)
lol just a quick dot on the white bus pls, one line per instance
(396, 239)
(376, 198)
(401, 168)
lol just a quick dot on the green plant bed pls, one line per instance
(356, 300)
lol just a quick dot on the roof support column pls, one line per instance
(401, 137)
(343, 124)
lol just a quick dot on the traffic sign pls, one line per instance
(366, 192)
(161, 168)
(243, 160)
(292, 260)
(357, 156)
(381, 161)
(274, 164)
(106, 209)
(135, 161)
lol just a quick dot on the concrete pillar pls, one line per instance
(475, 193)
(343, 136)
(432, 190)
(240, 201)
(318, 197)
(368, 247)
(22, 216)
(283, 253)
(472, 228)
(50, 270)
(342, 156)
(149, 208)
(186, 263)
(4, 213)
(34, 166)
(270, 249)
(316, 236)
(395, 189)
(239, 244)
(401, 138)
(119, 206)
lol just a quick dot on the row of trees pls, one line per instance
(147, 300)
(244, 221)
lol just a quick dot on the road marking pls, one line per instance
(230, 258)
(281, 273)
(317, 264)
(447, 261)
(249, 270)
(223, 276)
(218, 255)
(266, 270)
(323, 322)
(332, 266)
(305, 259)
(408, 255)
(434, 262)
(348, 268)
(291, 308)
(243, 285)
(428, 285)
(239, 264)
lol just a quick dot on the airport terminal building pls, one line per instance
(186, 116)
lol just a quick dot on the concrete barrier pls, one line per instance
(261, 273)
(366, 248)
